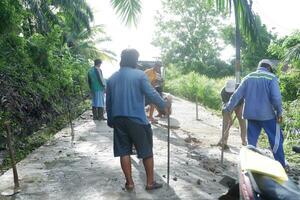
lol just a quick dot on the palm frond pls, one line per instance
(73, 5)
(38, 9)
(224, 6)
(245, 16)
(77, 11)
(128, 10)
(247, 20)
(292, 54)
(90, 51)
(94, 33)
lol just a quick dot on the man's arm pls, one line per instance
(276, 97)
(236, 97)
(109, 105)
(151, 94)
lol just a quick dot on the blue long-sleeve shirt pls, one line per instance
(125, 95)
(261, 93)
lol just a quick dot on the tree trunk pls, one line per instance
(12, 155)
(237, 45)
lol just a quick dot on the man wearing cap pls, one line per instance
(263, 107)
(226, 93)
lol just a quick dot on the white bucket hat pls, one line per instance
(230, 86)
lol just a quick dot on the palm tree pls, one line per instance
(244, 21)
(75, 14)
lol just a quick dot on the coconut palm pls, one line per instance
(69, 13)
(244, 21)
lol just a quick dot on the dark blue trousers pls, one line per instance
(274, 134)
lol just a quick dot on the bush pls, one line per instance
(290, 86)
(38, 78)
(195, 86)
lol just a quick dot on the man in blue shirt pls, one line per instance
(262, 108)
(125, 105)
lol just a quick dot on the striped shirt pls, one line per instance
(261, 92)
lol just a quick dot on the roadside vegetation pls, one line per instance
(45, 52)
(194, 71)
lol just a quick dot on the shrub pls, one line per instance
(195, 86)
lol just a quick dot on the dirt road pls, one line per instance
(86, 168)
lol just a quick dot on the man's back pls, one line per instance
(126, 90)
(259, 95)
(262, 96)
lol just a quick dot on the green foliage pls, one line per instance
(194, 86)
(35, 77)
(292, 115)
(39, 73)
(10, 11)
(292, 45)
(187, 36)
(285, 49)
(245, 18)
(251, 53)
(290, 86)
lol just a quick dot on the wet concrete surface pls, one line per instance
(86, 169)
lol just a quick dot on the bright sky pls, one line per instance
(280, 16)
